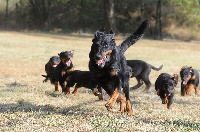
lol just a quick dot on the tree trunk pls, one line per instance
(109, 20)
(158, 30)
(6, 16)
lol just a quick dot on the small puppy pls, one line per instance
(64, 66)
(49, 69)
(165, 87)
(190, 80)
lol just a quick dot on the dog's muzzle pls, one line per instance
(101, 62)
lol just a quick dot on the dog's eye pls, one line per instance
(105, 45)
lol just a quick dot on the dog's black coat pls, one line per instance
(108, 64)
(82, 79)
(141, 71)
(50, 67)
(64, 65)
(165, 87)
(189, 76)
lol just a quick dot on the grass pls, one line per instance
(28, 104)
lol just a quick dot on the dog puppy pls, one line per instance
(141, 71)
(165, 87)
(65, 65)
(189, 80)
(49, 69)
(82, 79)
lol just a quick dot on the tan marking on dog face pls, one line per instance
(176, 78)
(193, 77)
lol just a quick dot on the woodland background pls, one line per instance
(170, 19)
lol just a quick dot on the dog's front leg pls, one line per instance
(183, 89)
(126, 91)
(113, 97)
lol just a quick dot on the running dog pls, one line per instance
(109, 68)
(165, 87)
(49, 69)
(65, 66)
(189, 80)
(141, 71)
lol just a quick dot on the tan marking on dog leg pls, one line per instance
(100, 96)
(111, 102)
(146, 88)
(169, 106)
(75, 90)
(158, 92)
(67, 90)
(129, 108)
(56, 86)
(196, 90)
(122, 101)
(189, 89)
(165, 100)
(95, 91)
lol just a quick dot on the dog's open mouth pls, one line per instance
(101, 63)
(54, 65)
(68, 62)
(185, 82)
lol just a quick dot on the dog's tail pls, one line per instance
(45, 76)
(155, 68)
(133, 38)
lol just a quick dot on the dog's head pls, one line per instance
(102, 47)
(186, 74)
(170, 84)
(54, 61)
(66, 57)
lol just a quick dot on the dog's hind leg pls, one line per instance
(148, 85)
(77, 86)
(145, 78)
(196, 90)
(56, 85)
(128, 103)
(139, 84)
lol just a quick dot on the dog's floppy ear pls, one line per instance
(175, 78)
(72, 52)
(60, 54)
(191, 70)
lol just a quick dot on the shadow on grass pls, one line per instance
(182, 124)
(22, 106)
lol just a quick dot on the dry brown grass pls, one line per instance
(27, 104)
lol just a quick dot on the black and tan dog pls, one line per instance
(82, 79)
(189, 80)
(109, 68)
(60, 72)
(141, 71)
(49, 69)
(165, 87)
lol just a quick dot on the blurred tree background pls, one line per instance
(173, 19)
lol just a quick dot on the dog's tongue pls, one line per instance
(184, 82)
(54, 65)
(99, 62)
(68, 62)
